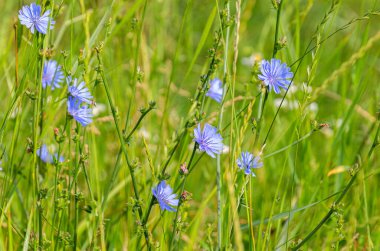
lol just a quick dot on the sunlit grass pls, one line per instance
(148, 65)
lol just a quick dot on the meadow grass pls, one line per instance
(148, 66)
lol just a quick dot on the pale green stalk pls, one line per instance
(220, 122)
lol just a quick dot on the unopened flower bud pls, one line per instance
(183, 169)
(56, 131)
(185, 195)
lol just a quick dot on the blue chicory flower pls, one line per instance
(31, 17)
(82, 114)
(46, 157)
(52, 74)
(209, 140)
(79, 91)
(247, 162)
(275, 74)
(216, 90)
(44, 154)
(165, 196)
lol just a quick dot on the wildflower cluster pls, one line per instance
(78, 101)
(275, 75)
(207, 139)
(52, 74)
(79, 97)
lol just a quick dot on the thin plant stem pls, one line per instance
(307, 51)
(36, 134)
(275, 45)
(116, 169)
(118, 159)
(195, 163)
(341, 196)
(283, 98)
(220, 122)
(75, 182)
(61, 211)
(57, 171)
(173, 70)
(60, 216)
(265, 89)
(122, 143)
(182, 189)
(183, 131)
(250, 217)
(291, 145)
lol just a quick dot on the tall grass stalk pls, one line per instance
(94, 188)
(122, 141)
(220, 122)
(354, 173)
(265, 89)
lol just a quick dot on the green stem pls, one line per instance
(122, 143)
(173, 70)
(75, 182)
(336, 203)
(275, 46)
(61, 213)
(118, 159)
(56, 244)
(188, 122)
(75, 215)
(57, 171)
(307, 51)
(327, 216)
(39, 114)
(182, 186)
(146, 216)
(36, 128)
(220, 122)
(178, 140)
(183, 131)
(117, 169)
(265, 90)
(341, 28)
(291, 145)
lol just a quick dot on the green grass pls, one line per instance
(317, 189)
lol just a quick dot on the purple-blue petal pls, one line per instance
(216, 90)
(31, 17)
(275, 74)
(208, 140)
(82, 114)
(165, 196)
(52, 74)
(247, 162)
(79, 91)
